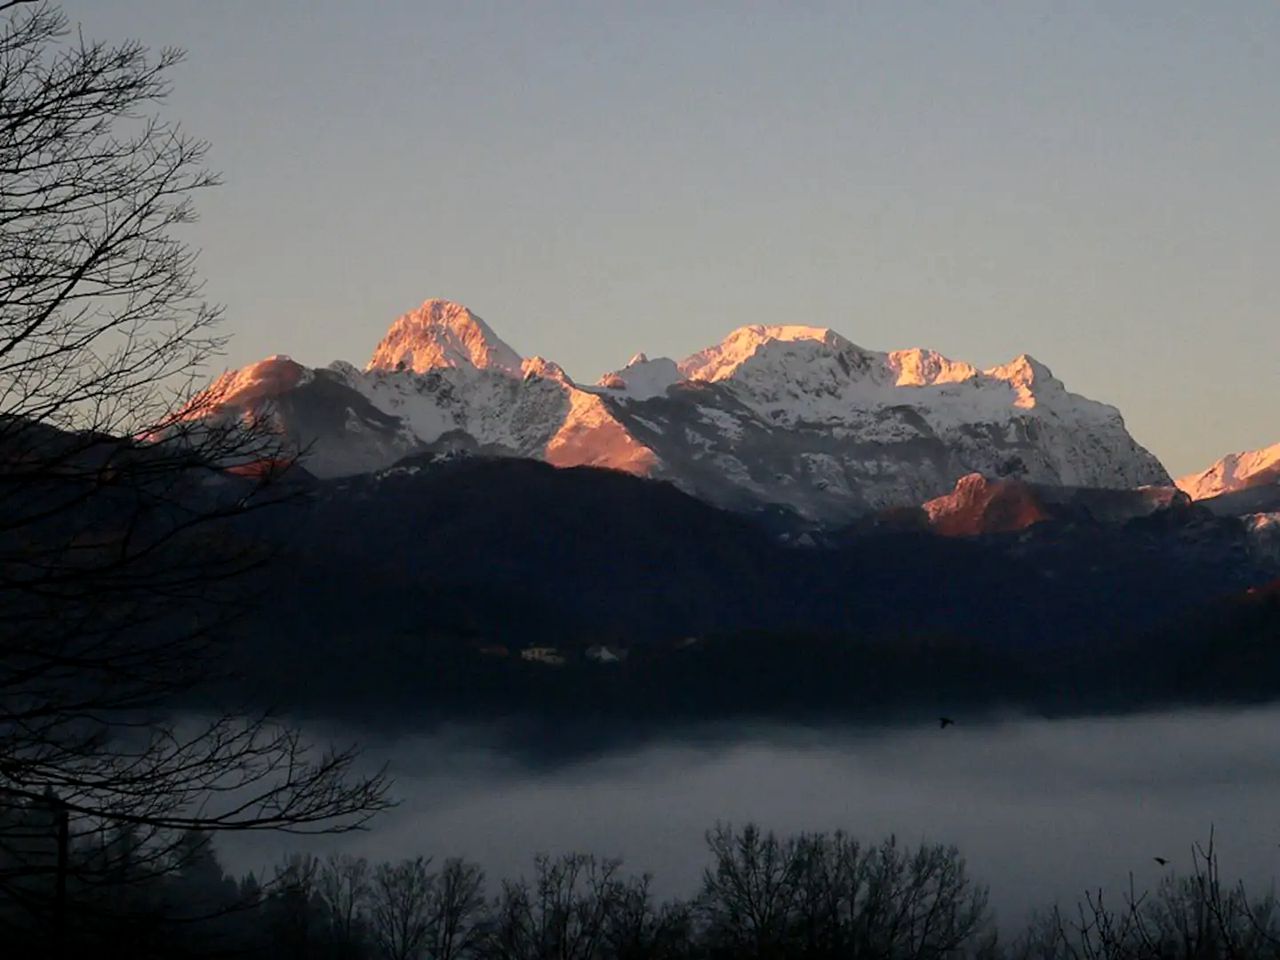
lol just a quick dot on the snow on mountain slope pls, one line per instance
(801, 415)
(642, 378)
(248, 385)
(790, 414)
(439, 372)
(592, 436)
(1236, 471)
(441, 333)
(918, 368)
(727, 356)
(1263, 530)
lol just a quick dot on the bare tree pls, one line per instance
(292, 911)
(1190, 917)
(919, 904)
(570, 911)
(640, 929)
(820, 895)
(416, 913)
(750, 890)
(458, 906)
(830, 895)
(123, 546)
(402, 908)
(344, 884)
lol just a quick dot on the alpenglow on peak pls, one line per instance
(441, 333)
(723, 359)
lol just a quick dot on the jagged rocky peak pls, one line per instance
(1235, 471)
(441, 333)
(783, 347)
(980, 505)
(725, 358)
(921, 368)
(546, 369)
(1026, 375)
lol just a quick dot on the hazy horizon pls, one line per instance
(1096, 186)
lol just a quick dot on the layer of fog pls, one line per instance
(1042, 810)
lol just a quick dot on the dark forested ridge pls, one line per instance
(517, 551)
(413, 594)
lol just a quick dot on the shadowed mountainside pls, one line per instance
(517, 550)
(411, 594)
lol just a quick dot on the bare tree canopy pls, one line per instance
(123, 546)
(827, 895)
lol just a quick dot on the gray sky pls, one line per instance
(1095, 183)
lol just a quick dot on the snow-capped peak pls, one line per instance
(722, 360)
(249, 385)
(544, 368)
(641, 378)
(1026, 375)
(921, 368)
(441, 333)
(1235, 471)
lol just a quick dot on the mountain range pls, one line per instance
(786, 415)
(828, 516)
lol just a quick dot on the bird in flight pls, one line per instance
(1161, 860)
(944, 722)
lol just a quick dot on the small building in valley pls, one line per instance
(542, 655)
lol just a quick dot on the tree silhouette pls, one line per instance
(824, 895)
(123, 551)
